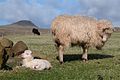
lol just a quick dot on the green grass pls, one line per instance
(102, 65)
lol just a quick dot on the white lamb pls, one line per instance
(35, 64)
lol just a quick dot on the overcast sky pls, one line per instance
(42, 12)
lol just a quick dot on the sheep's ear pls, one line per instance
(108, 30)
(102, 27)
(105, 29)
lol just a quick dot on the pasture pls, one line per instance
(102, 65)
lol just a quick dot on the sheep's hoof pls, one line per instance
(85, 60)
(49, 68)
(61, 62)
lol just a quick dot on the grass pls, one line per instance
(102, 65)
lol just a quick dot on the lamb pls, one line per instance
(35, 64)
(79, 30)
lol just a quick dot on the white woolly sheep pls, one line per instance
(79, 30)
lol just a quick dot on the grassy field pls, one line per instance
(102, 65)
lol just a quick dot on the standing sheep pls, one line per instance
(80, 30)
(35, 31)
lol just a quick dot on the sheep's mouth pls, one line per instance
(22, 57)
(99, 48)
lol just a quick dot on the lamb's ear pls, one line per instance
(30, 52)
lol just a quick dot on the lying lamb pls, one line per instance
(35, 64)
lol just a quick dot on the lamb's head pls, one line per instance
(26, 54)
(105, 30)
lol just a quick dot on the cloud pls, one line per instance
(42, 12)
(38, 12)
(103, 9)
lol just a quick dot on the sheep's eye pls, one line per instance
(27, 53)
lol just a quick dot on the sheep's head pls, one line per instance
(105, 30)
(26, 54)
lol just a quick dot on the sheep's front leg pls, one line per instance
(60, 53)
(84, 55)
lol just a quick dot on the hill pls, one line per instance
(24, 23)
(117, 29)
(21, 27)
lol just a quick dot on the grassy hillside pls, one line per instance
(102, 65)
(23, 27)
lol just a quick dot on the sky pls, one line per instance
(42, 12)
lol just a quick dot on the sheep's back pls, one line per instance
(79, 28)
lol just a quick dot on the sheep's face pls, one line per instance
(26, 54)
(105, 30)
(106, 34)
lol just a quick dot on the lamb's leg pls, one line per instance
(84, 55)
(39, 67)
(60, 53)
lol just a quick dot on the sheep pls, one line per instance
(35, 64)
(7, 44)
(2, 60)
(35, 31)
(19, 48)
(5, 52)
(79, 30)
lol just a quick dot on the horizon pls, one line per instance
(34, 24)
(42, 12)
(6, 25)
